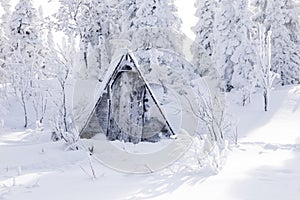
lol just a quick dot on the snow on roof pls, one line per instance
(166, 69)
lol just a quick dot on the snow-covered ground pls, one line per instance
(264, 165)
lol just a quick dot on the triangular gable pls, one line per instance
(126, 63)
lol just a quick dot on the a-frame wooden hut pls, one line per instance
(122, 111)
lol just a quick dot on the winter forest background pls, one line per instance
(253, 45)
(247, 48)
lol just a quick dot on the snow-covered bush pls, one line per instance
(216, 129)
(71, 136)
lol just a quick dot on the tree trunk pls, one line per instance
(25, 111)
(266, 99)
(64, 108)
(44, 108)
(85, 59)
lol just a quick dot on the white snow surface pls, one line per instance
(263, 166)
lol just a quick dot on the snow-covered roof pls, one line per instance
(157, 68)
(121, 60)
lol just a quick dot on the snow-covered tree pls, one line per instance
(4, 47)
(61, 63)
(94, 26)
(283, 18)
(3, 54)
(157, 13)
(90, 20)
(3, 69)
(128, 9)
(244, 57)
(24, 31)
(153, 23)
(267, 76)
(204, 43)
(286, 42)
(5, 4)
(226, 42)
(26, 63)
